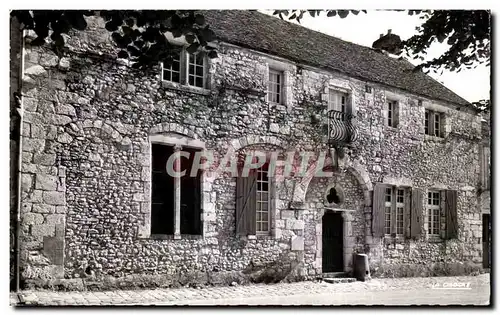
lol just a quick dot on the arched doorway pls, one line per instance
(333, 242)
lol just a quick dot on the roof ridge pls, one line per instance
(315, 31)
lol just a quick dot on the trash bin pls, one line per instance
(361, 267)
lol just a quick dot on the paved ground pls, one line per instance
(403, 291)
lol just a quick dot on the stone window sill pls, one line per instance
(398, 239)
(258, 237)
(185, 88)
(433, 138)
(434, 239)
(171, 237)
(391, 128)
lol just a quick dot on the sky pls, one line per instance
(364, 29)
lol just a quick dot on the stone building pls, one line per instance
(94, 203)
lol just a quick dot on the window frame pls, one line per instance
(259, 201)
(336, 103)
(433, 125)
(394, 205)
(391, 118)
(432, 225)
(184, 72)
(281, 75)
(194, 147)
(203, 66)
(163, 69)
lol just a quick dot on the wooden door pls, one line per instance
(333, 242)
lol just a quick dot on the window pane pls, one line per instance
(264, 216)
(388, 194)
(264, 227)
(176, 65)
(176, 77)
(199, 82)
(199, 71)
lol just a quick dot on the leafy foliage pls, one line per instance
(299, 14)
(140, 34)
(466, 32)
(482, 105)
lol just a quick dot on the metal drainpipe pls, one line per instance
(20, 111)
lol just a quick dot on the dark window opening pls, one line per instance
(190, 197)
(163, 194)
(162, 191)
(333, 196)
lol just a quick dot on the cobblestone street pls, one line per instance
(402, 291)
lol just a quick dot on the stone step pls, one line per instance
(339, 280)
(336, 275)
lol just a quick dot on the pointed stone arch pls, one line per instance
(357, 169)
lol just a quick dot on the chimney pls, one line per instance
(389, 31)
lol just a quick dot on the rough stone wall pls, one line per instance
(86, 165)
(315, 205)
(14, 74)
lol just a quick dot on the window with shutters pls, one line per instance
(254, 202)
(434, 123)
(433, 212)
(441, 214)
(392, 110)
(164, 200)
(395, 210)
(186, 69)
(275, 87)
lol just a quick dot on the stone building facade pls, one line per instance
(90, 123)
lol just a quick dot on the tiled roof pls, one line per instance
(272, 35)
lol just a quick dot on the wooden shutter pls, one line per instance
(407, 214)
(416, 220)
(431, 123)
(451, 214)
(378, 210)
(349, 104)
(272, 200)
(246, 196)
